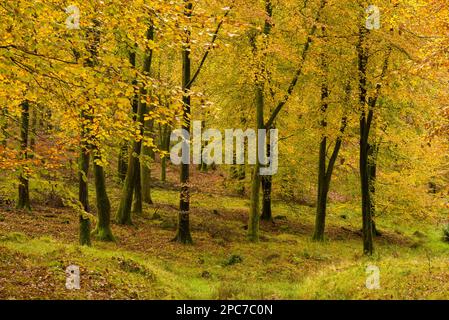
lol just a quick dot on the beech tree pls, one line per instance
(253, 223)
(188, 79)
(132, 185)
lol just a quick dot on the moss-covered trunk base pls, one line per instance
(84, 231)
(253, 223)
(183, 233)
(103, 234)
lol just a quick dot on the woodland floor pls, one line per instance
(35, 249)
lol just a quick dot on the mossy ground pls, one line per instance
(36, 248)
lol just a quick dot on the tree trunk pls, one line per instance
(183, 229)
(124, 211)
(86, 137)
(202, 167)
(83, 191)
(164, 169)
(320, 220)
(34, 122)
(138, 198)
(267, 184)
(84, 231)
(146, 182)
(4, 126)
(132, 181)
(253, 224)
(165, 144)
(145, 166)
(266, 198)
(123, 161)
(367, 229)
(325, 177)
(254, 213)
(24, 193)
(148, 156)
(372, 168)
(123, 215)
(103, 229)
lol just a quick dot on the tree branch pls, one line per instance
(298, 71)
(209, 48)
(21, 49)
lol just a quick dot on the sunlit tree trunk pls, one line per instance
(103, 229)
(123, 215)
(254, 211)
(124, 211)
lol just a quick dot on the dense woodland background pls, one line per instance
(86, 116)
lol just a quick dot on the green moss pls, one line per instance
(14, 237)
